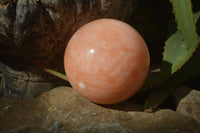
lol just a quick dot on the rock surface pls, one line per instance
(63, 110)
(190, 105)
(19, 84)
(38, 31)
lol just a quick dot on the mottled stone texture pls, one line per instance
(24, 84)
(190, 105)
(64, 110)
(38, 31)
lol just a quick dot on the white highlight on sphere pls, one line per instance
(92, 51)
(81, 85)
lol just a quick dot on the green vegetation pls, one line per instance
(180, 57)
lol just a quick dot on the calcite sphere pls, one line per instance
(106, 61)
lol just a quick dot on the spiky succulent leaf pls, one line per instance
(183, 13)
(181, 55)
(180, 46)
(177, 52)
(161, 92)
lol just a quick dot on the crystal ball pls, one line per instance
(106, 61)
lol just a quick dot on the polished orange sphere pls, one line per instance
(106, 61)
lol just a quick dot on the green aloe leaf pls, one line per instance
(176, 52)
(180, 46)
(184, 18)
(57, 74)
(161, 92)
(181, 55)
(157, 97)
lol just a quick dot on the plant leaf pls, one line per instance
(180, 46)
(184, 18)
(178, 75)
(156, 97)
(57, 74)
(178, 51)
(161, 92)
